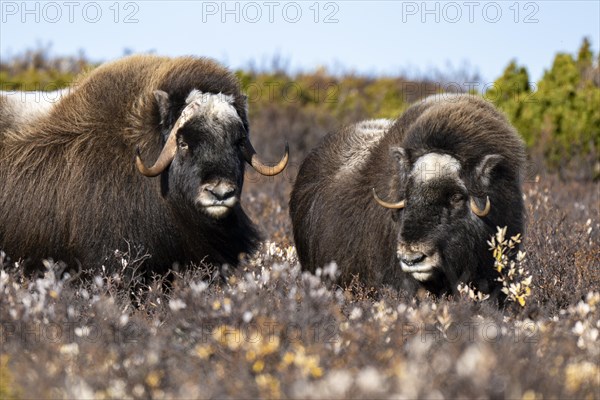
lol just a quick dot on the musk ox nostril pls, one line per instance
(412, 259)
(222, 191)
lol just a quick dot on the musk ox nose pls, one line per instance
(412, 258)
(418, 259)
(217, 198)
(221, 191)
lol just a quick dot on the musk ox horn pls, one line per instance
(479, 212)
(252, 158)
(398, 205)
(164, 159)
(170, 148)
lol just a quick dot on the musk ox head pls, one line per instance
(205, 148)
(441, 231)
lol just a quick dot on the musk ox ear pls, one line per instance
(483, 171)
(163, 103)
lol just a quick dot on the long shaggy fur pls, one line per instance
(335, 217)
(69, 188)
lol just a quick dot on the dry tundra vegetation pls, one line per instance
(270, 330)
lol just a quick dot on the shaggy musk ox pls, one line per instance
(412, 202)
(72, 188)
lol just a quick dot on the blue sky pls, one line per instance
(369, 37)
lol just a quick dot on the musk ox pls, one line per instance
(412, 202)
(73, 189)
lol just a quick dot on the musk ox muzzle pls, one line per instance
(217, 198)
(421, 261)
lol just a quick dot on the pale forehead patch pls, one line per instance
(212, 105)
(434, 166)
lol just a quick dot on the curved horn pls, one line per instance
(479, 212)
(398, 205)
(252, 158)
(164, 159)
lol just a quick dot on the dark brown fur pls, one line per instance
(335, 217)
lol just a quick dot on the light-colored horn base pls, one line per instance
(252, 158)
(479, 212)
(399, 205)
(170, 148)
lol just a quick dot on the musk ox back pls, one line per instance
(17, 108)
(412, 202)
(72, 188)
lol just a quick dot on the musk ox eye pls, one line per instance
(182, 145)
(457, 198)
(240, 142)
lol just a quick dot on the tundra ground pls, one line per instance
(271, 331)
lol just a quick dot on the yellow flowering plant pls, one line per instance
(516, 280)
